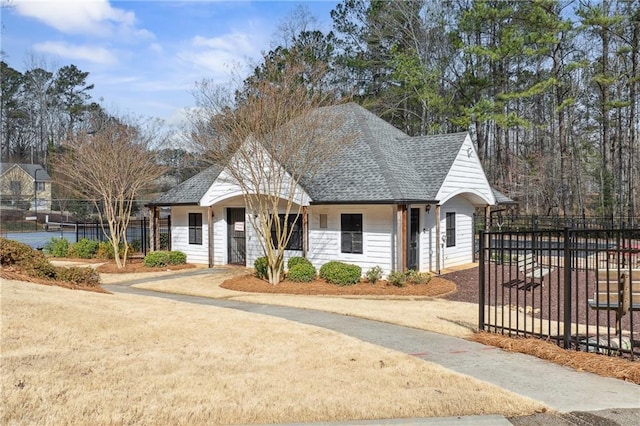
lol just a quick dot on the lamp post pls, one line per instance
(35, 195)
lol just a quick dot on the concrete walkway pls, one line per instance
(560, 388)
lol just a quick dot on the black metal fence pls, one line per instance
(514, 222)
(138, 233)
(578, 287)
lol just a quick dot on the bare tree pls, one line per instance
(275, 137)
(109, 165)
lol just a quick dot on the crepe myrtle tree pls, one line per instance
(108, 162)
(270, 136)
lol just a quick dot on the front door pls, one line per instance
(414, 237)
(236, 241)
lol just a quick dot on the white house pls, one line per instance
(389, 200)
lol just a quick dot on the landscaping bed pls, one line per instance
(249, 283)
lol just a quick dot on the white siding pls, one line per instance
(377, 224)
(196, 253)
(462, 252)
(466, 176)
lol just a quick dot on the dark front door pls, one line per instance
(236, 241)
(414, 236)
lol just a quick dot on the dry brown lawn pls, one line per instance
(74, 357)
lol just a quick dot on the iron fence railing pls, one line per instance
(512, 222)
(138, 234)
(580, 287)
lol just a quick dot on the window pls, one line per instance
(15, 186)
(293, 222)
(451, 229)
(39, 186)
(195, 228)
(351, 228)
(323, 221)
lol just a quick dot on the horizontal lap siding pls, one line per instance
(196, 253)
(461, 253)
(324, 244)
(466, 174)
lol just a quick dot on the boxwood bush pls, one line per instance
(261, 267)
(302, 272)
(340, 273)
(157, 259)
(297, 260)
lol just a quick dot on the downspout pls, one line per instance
(437, 239)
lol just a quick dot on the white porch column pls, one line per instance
(437, 242)
(210, 232)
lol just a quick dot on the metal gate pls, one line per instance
(236, 240)
(563, 285)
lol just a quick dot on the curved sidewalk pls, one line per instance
(560, 388)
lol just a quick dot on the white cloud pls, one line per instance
(156, 47)
(219, 57)
(234, 42)
(91, 17)
(98, 55)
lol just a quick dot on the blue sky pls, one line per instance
(145, 56)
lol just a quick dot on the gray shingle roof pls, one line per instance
(379, 164)
(43, 176)
(501, 198)
(382, 163)
(191, 190)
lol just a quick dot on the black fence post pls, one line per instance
(481, 280)
(567, 288)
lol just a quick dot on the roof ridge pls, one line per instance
(374, 144)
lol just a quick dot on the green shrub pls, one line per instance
(160, 258)
(415, 277)
(177, 257)
(86, 276)
(374, 274)
(57, 247)
(340, 273)
(303, 272)
(85, 249)
(297, 260)
(261, 268)
(397, 278)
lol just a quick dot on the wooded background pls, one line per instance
(548, 90)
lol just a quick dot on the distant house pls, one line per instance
(390, 200)
(25, 186)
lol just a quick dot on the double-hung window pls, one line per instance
(451, 229)
(351, 230)
(294, 226)
(195, 228)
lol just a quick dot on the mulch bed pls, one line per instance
(136, 265)
(249, 283)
